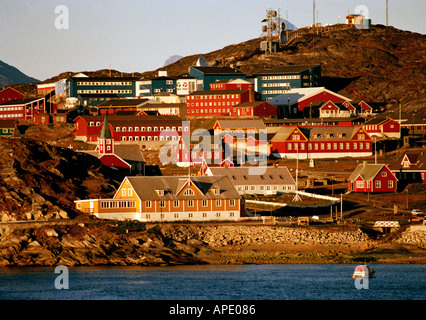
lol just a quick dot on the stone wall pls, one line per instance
(413, 237)
(218, 236)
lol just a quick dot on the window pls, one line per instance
(390, 184)
(378, 184)
(384, 174)
(124, 192)
(148, 204)
(190, 203)
(232, 202)
(188, 192)
(162, 204)
(204, 203)
(360, 184)
(176, 203)
(218, 203)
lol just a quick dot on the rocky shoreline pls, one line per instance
(92, 243)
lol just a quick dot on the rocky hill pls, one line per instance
(379, 64)
(40, 181)
(11, 75)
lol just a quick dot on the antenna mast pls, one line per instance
(387, 17)
(313, 14)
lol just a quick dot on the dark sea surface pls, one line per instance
(211, 282)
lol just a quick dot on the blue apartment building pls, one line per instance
(93, 91)
(273, 82)
(151, 86)
(208, 75)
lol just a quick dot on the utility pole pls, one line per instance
(313, 14)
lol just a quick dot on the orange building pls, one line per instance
(169, 198)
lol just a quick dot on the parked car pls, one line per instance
(417, 212)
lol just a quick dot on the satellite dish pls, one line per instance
(202, 62)
(273, 26)
(264, 28)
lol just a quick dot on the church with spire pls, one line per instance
(126, 157)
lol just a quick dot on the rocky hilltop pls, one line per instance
(379, 64)
(40, 181)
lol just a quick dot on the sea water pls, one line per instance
(215, 282)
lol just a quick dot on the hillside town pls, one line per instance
(230, 146)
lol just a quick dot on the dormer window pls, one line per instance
(188, 192)
(160, 192)
(216, 191)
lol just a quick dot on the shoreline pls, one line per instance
(98, 243)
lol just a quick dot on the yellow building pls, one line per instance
(169, 198)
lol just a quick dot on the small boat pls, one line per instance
(363, 271)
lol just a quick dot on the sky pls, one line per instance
(139, 35)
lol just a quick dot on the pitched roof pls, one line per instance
(145, 187)
(252, 104)
(131, 119)
(127, 152)
(241, 175)
(320, 133)
(367, 171)
(18, 102)
(283, 133)
(217, 70)
(417, 160)
(122, 102)
(290, 69)
(241, 123)
(377, 120)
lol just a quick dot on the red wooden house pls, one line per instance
(383, 127)
(363, 109)
(316, 94)
(10, 94)
(256, 108)
(411, 166)
(341, 109)
(372, 178)
(321, 142)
